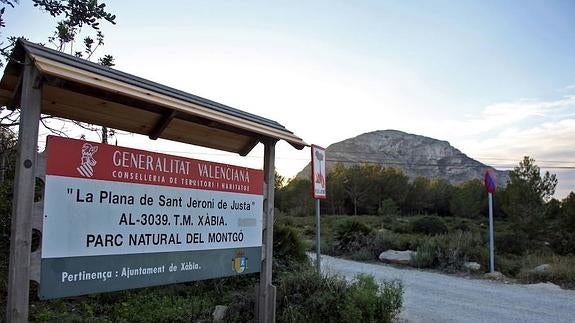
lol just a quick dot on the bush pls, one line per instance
(385, 240)
(508, 265)
(563, 243)
(241, 307)
(310, 297)
(456, 248)
(510, 242)
(426, 256)
(289, 249)
(562, 270)
(350, 236)
(388, 207)
(429, 225)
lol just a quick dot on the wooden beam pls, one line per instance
(266, 295)
(16, 95)
(162, 125)
(247, 148)
(21, 234)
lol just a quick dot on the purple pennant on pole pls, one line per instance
(490, 183)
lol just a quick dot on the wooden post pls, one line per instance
(24, 182)
(266, 296)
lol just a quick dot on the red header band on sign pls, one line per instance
(90, 160)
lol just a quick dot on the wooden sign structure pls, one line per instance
(39, 81)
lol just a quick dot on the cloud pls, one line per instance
(505, 132)
(500, 116)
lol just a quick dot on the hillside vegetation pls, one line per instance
(371, 208)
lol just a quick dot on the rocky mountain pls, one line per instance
(415, 155)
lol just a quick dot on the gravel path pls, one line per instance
(434, 297)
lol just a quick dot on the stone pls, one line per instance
(472, 266)
(397, 257)
(219, 313)
(542, 269)
(495, 276)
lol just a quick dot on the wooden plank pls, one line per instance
(249, 146)
(266, 300)
(16, 95)
(162, 124)
(205, 136)
(78, 75)
(70, 105)
(7, 87)
(21, 234)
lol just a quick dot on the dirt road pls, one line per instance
(434, 297)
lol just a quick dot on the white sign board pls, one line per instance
(318, 175)
(112, 213)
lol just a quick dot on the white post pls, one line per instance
(491, 251)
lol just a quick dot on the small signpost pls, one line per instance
(490, 185)
(318, 182)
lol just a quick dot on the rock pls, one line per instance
(546, 286)
(495, 276)
(397, 257)
(219, 313)
(542, 269)
(473, 266)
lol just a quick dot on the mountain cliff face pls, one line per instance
(414, 155)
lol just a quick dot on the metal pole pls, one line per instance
(491, 252)
(317, 233)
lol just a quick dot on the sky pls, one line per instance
(494, 78)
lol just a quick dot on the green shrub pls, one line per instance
(429, 225)
(510, 242)
(456, 248)
(241, 306)
(369, 302)
(363, 254)
(509, 265)
(388, 207)
(563, 243)
(350, 236)
(310, 297)
(426, 256)
(562, 270)
(289, 249)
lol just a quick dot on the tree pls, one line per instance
(568, 212)
(7, 168)
(394, 185)
(441, 193)
(295, 197)
(418, 199)
(73, 16)
(527, 194)
(357, 186)
(468, 200)
(335, 189)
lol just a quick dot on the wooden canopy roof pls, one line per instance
(74, 88)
